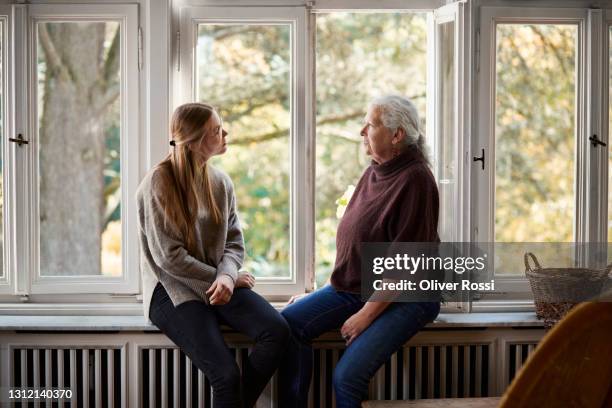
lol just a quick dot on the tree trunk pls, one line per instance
(71, 149)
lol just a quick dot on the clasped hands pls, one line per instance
(220, 292)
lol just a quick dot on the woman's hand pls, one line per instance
(297, 297)
(245, 280)
(354, 326)
(220, 292)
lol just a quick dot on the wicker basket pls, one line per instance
(557, 290)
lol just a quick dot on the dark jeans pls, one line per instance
(326, 309)
(195, 327)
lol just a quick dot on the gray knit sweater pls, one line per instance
(164, 258)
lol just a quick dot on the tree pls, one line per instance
(79, 89)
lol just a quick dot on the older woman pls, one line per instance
(396, 200)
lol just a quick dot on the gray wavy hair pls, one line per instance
(396, 112)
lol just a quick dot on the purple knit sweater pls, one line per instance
(396, 201)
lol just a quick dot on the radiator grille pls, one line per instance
(435, 371)
(444, 365)
(517, 355)
(170, 379)
(94, 375)
(415, 372)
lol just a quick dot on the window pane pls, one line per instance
(534, 137)
(2, 135)
(609, 147)
(535, 133)
(358, 56)
(245, 71)
(79, 129)
(446, 149)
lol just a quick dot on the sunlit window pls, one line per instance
(358, 56)
(79, 129)
(245, 72)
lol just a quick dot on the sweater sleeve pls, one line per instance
(167, 251)
(233, 253)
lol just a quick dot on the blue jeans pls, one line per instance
(327, 309)
(195, 327)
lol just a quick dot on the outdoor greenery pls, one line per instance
(535, 133)
(245, 71)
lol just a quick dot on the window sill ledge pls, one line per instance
(139, 324)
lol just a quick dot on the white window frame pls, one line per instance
(27, 279)
(6, 280)
(161, 91)
(438, 13)
(301, 199)
(601, 161)
(456, 13)
(303, 242)
(514, 292)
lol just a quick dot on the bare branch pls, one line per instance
(550, 45)
(283, 132)
(260, 103)
(344, 135)
(261, 138)
(340, 118)
(518, 54)
(236, 30)
(323, 121)
(53, 57)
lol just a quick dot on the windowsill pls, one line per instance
(138, 323)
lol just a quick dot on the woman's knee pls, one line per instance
(282, 330)
(277, 331)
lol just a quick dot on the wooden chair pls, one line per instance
(571, 367)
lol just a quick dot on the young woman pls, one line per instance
(191, 251)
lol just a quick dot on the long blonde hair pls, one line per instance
(186, 186)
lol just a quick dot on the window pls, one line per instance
(6, 200)
(379, 53)
(540, 106)
(535, 138)
(248, 63)
(78, 77)
(516, 89)
(82, 151)
(609, 158)
(535, 132)
(3, 133)
(293, 181)
(245, 71)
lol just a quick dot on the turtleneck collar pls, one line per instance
(401, 161)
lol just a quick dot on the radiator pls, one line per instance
(95, 376)
(170, 379)
(141, 370)
(516, 355)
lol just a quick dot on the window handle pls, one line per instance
(595, 141)
(20, 141)
(480, 159)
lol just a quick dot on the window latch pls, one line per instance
(595, 141)
(481, 159)
(19, 140)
